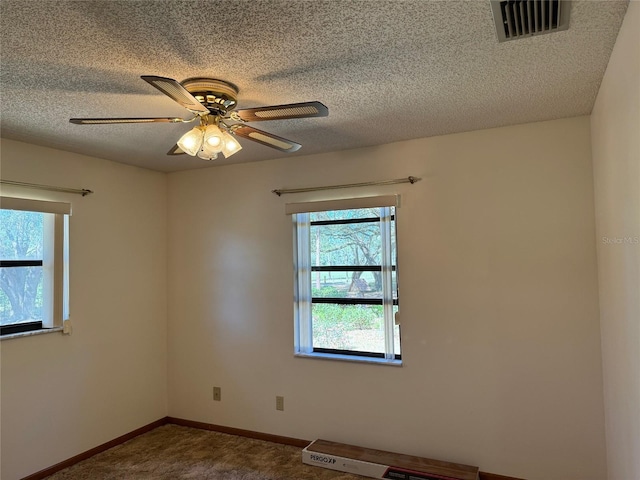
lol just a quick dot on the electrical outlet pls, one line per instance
(280, 403)
(217, 394)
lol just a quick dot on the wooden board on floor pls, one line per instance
(399, 466)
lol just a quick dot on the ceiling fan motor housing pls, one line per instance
(216, 95)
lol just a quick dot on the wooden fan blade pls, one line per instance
(176, 92)
(175, 150)
(282, 112)
(104, 121)
(265, 138)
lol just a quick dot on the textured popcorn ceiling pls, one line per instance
(387, 70)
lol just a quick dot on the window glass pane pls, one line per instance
(353, 284)
(20, 295)
(346, 244)
(21, 235)
(21, 238)
(348, 327)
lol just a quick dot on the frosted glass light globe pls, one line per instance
(231, 145)
(213, 138)
(191, 141)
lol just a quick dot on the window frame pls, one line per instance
(303, 298)
(55, 264)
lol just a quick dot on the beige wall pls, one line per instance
(615, 130)
(62, 395)
(499, 303)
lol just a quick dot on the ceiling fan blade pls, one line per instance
(282, 112)
(176, 150)
(103, 121)
(176, 92)
(265, 138)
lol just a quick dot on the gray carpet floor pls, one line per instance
(176, 452)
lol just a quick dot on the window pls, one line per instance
(346, 279)
(33, 264)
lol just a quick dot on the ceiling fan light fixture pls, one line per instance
(230, 145)
(191, 141)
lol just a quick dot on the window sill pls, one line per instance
(350, 358)
(31, 333)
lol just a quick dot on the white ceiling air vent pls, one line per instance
(523, 18)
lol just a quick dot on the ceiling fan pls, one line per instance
(213, 102)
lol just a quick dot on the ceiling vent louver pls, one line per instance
(524, 18)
